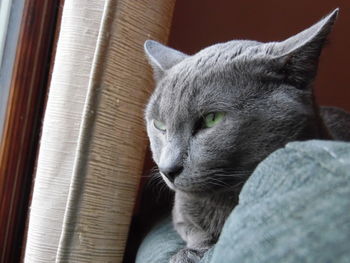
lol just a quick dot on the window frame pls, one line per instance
(21, 132)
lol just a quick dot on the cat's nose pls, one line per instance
(171, 171)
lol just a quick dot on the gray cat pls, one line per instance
(215, 115)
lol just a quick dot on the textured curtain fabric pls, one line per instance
(68, 89)
(93, 140)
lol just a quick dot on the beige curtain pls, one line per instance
(93, 140)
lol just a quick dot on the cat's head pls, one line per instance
(215, 115)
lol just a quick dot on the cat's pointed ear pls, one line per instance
(299, 54)
(161, 57)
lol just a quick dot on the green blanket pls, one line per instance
(294, 208)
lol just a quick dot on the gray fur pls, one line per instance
(265, 90)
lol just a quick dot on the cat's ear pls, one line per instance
(161, 57)
(298, 55)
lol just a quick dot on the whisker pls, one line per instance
(219, 182)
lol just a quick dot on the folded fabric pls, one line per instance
(294, 208)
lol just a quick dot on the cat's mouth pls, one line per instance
(168, 182)
(209, 183)
(179, 183)
(210, 180)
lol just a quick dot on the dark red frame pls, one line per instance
(20, 139)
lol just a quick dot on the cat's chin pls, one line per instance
(192, 187)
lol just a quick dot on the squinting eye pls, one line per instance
(159, 125)
(213, 118)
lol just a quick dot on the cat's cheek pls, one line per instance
(156, 146)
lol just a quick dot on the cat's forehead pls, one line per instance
(215, 59)
(211, 64)
(197, 83)
(211, 60)
(227, 51)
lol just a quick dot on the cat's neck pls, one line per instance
(323, 130)
(207, 212)
(319, 129)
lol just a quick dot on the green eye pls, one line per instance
(159, 125)
(213, 118)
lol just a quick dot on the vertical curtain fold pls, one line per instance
(93, 140)
(67, 93)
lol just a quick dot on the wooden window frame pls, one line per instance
(23, 118)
